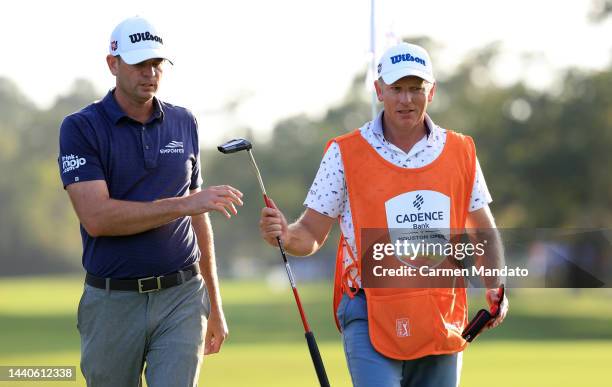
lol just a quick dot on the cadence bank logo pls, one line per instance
(402, 327)
(418, 210)
(418, 217)
(418, 202)
(173, 147)
(72, 162)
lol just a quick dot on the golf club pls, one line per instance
(241, 144)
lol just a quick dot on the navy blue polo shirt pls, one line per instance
(143, 163)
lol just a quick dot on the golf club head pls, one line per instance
(235, 145)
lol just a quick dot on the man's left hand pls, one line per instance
(493, 297)
(216, 331)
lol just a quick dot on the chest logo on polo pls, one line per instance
(173, 147)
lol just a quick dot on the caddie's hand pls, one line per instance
(220, 198)
(272, 224)
(216, 332)
(493, 297)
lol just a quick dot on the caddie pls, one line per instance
(400, 160)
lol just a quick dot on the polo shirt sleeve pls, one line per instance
(79, 157)
(480, 192)
(328, 194)
(196, 174)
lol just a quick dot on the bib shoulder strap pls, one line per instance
(343, 138)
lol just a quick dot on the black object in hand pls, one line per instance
(481, 319)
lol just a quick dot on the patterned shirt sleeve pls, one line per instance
(480, 192)
(328, 191)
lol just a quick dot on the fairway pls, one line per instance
(551, 338)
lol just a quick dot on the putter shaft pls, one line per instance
(261, 184)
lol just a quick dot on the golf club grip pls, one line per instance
(267, 200)
(316, 359)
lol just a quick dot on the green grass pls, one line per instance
(550, 338)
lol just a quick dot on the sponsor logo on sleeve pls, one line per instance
(72, 162)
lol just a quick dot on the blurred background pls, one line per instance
(531, 81)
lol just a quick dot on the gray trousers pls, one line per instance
(121, 331)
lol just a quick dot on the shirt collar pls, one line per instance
(115, 112)
(377, 127)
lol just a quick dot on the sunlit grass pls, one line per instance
(551, 337)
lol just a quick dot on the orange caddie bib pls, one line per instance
(407, 323)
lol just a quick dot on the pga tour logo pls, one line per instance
(402, 327)
(72, 162)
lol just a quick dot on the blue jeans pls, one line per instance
(123, 330)
(368, 368)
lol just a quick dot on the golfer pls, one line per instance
(371, 178)
(131, 166)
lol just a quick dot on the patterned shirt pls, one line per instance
(328, 194)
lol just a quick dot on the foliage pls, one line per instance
(544, 154)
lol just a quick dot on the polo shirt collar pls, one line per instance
(377, 127)
(115, 112)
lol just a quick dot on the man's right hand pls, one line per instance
(272, 224)
(220, 198)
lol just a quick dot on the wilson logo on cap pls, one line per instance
(407, 58)
(140, 36)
